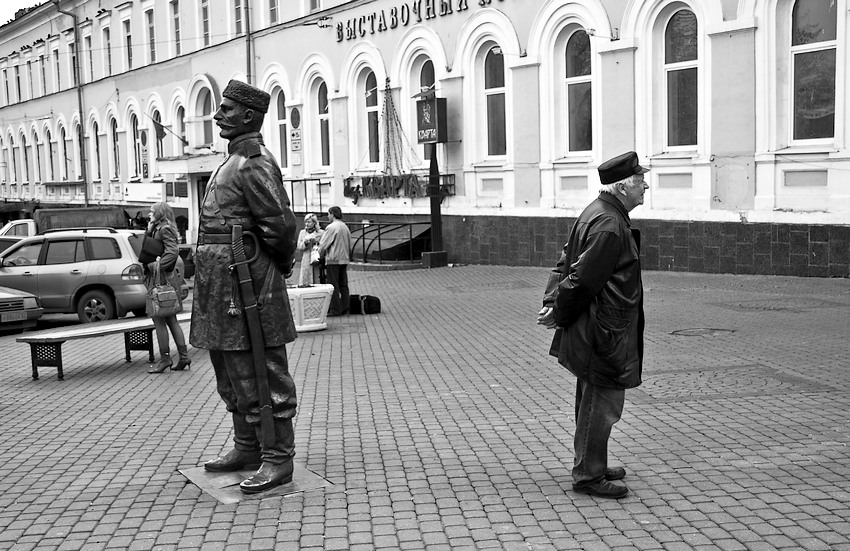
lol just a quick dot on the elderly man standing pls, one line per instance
(595, 299)
(241, 314)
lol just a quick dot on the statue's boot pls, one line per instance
(277, 466)
(245, 454)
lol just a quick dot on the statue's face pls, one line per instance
(234, 119)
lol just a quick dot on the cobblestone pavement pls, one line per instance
(442, 423)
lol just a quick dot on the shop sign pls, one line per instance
(402, 15)
(431, 120)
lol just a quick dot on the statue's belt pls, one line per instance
(215, 239)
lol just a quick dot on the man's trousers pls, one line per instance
(597, 409)
(237, 385)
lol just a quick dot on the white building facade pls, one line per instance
(738, 106)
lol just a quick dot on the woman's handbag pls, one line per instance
(163, 300)
(314, 255)
(151, 249)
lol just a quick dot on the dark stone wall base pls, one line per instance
(710, 247)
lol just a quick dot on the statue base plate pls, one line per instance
(225, 486)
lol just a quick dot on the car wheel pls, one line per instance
(95, 306)
(140, 312)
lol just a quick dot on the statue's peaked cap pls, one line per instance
(247, 95)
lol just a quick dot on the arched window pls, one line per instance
(159, 132)
(37, 149)
(280, 117)
(370, 90)
(578, 92)
(13, 164)
(95, 138)
(63, 153)
(136, 145)
(426, 76)
(324, 124)
(204, 112)
(813, 51)
(494, 97)
(116, 150)
(51, 156)
(25, 159)
(680, 68)
(180, 121)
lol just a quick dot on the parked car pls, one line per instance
(19, 310)
(93, 272)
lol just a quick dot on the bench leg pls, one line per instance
(47, 355)
(139, 340)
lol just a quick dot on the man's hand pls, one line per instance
(546, 317)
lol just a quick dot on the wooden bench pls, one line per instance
(46, 345)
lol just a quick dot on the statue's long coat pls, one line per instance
(247, 189)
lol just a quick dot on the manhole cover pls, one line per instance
(701, 332)
(719, 382)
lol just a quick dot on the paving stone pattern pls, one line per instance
(443, 424)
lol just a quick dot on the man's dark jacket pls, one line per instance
(597, 294)
(246, 189)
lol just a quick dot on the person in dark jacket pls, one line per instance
(163, 228)
(594, 298)
(247, 190)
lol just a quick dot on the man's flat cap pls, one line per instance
(620, 168)
(247, 95)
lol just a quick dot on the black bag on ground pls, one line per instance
(364, 304)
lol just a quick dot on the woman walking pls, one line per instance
(163, 227)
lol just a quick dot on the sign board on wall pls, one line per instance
(431, 120)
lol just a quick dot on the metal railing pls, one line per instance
(389, 241)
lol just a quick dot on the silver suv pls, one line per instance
(93, 272)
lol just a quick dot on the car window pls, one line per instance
(26, 255)
(65, 252)
(104, 248)
(136, 242)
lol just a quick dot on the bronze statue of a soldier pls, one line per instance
(240, 313)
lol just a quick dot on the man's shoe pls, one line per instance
(267, 477)
(603, 489)
(235, 460)
(615, 473)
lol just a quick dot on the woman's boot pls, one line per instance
(164, 363)
(184, 360)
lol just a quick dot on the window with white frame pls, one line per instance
(42, 67)
(63, 154)
(238, 16)
(6, 99)
(107, 51)
(31, 88)
(13, 167)
(25, 159)
(494, 100)
(315, 5)
(175, 26)
(578, 92)
(51, 156)
(89, 52)
(72, 67)
(37, 149)
(274, 11)
(159, 137)
(280, 119)
(324, 124)
(813, 52)
(136, 145)
(19, 95)
(151, 25)
(77, 139)
(204, 113)
(116, 149)
(128, 43)
(371, 117)
(95, 142)
(205, 21)
(57, 69)
(427, 82)
(681, 78)
(180, 123)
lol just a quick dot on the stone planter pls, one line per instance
(310, 306)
